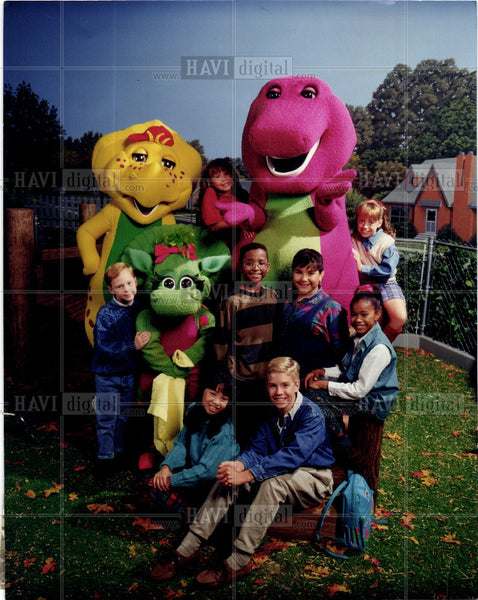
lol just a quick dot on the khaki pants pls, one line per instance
(303, 487)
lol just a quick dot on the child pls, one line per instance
(367, 381)
(245, 335)
(218, 196)
(114, 361)
(206, 439)
(313, 327)
(377, 259)
(288, 461)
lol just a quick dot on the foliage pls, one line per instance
(78, 152)
(448, 234)
(452, 130)
(196, 144)
(32, 136)
(405, 229)
(352, 200)
(100, 539)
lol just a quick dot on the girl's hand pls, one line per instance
(313, 376)
(231, 473)
(357, 259)
(161, 479)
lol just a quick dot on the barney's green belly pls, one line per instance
(290, 226)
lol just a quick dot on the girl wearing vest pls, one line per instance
(366, 382)
(377, 259)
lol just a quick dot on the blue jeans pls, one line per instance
(114, 395)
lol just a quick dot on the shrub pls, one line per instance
(448, 234)
(405, 229)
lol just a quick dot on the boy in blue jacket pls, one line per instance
(288, 460)
(116, 344)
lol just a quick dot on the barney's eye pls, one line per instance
(139, 157)
(274, 92)
(168, 283)
(169, 164)
(185, 283)
(309, 92)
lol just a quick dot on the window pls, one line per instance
(399, 214)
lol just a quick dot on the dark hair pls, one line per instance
(308, 256)
(222, 164)
(196, 415)
(251, 246)
(370, 293)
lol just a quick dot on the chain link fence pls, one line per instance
(439, 283)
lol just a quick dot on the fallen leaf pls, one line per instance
(79, 468)
(30, 494)
(421, 474)
(425, 453)
(258, 581)
(381, 513)
(469, 455)
(132, 550)
(429, 481)
(146, 524)
(73, 496)
(337, 587)
(48, 566)
(28, 561)
(259, 559)
(133, 587)
(406, 520)
(51, 491)
(171, 594)
(379, 526)
(450, 538)
(97, 508)
(414, 540)
(52, 426)
(393, 436)
(275, 545)
(441, 519)
(456, 433)
(313, 572)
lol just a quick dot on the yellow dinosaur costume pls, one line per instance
(149, 171)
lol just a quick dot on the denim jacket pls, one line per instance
(304, 444)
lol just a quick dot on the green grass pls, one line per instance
(429, 439)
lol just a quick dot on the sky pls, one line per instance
(107, 65)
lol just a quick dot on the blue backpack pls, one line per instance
(355, 516)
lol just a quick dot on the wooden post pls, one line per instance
(366, 437)
(87, 211)
(20, 257)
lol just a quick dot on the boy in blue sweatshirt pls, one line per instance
(288, 460)
(114, 362)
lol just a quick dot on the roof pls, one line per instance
(444, 170)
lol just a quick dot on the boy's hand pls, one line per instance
(141, 339)
(231, 473)
(314, 375)
(161, 479)
(320, 384)
(357, 259)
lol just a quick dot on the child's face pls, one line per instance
(307, 280)
(123, 287)
(282, 389)
(363, 316)
(367, 226)
(255, 265)
(222, 181)
(214, 401)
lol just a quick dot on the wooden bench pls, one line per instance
(366, 438)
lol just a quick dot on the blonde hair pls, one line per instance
(284, 364)
(376, 210)
(115, 269)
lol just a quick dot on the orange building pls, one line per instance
(436, 193)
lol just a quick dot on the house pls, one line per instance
(435, 193)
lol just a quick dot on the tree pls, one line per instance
(78, 152)
(196, 144)
(32, 140)
(452, 130)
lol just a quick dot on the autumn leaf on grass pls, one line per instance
(259, 559)
(450, 538)
(379, 526)
(146, 524)
(331, 547)
(414, 540)
(28, 561)
(374, 561)
(276, 545)
(406, 520)
(425, 453)
(420, 474)
(132, 550)
(393, 436)
(48, 566)
(133, 588)
(30, 494)
(469, 455)
(429, 481)
(337, 588)
(79, 468)
(171, 594)
(258, 581)
(73, 496)
(381, 513)
(51, 491)
(313, 572)
(52, 426)
(97, 508)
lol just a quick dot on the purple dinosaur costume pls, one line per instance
(297, 138)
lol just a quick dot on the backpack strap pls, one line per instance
(335, 493)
